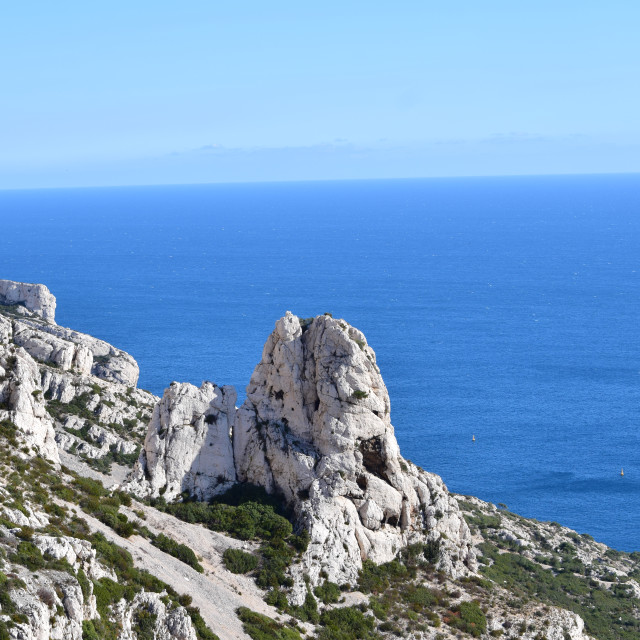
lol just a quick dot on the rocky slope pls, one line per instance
(373, 546)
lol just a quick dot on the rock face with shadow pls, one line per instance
(316, 428)
(188, 444)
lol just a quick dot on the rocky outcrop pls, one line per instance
(34, 297)
(169, 623)
(22, 402)
(48, 343)
(316, 428)
(74, 351)
(56, 379)
(188, 444)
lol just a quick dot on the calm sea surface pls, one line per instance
(505, 308)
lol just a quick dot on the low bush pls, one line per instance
(107, 592)
(144, 624)
(29, 555)
(261, 627)
(375, 578)
(248, 512)
(347, 623)
(468, 617)
(308, 612)
(181, 551)
(328, 592)
(238, 561)
(204, 633)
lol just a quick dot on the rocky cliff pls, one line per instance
(188, 444)
(34, 298)
(368, 532)
(315, 430)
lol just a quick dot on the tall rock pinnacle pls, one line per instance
(316, 428)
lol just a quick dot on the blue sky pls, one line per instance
(166, 92)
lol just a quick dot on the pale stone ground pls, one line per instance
(217, 592)
(116, 477)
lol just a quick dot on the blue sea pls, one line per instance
(502, 308)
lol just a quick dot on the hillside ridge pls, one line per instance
(302, 488)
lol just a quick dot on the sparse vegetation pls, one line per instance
(468, 617)
(248, 512)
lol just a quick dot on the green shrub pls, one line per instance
(29, 555)
(89, 631)
(308, 612)
(107, 592)
(261, 627)
(90, 487)
(375, 578)
(238, 561)
(421, 597)
(9, 431)
(145, 624)
(204, 633)
(468, 617)
(247, 512)
(278, 599)
(483, 521)
(328, 592)
(606, 616)
(276, 558)
(177, 550)
(347, 623)
(85, 585)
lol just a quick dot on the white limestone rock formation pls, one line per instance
(74, 351)
(169, 623)
(6, 330)
(84, 387)
(97, 443)
(48, 348)
(22, 402)
(48, 343)
(188, 444)
(34, 297)
(316, 428)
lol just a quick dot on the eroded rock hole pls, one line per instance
(371, 451)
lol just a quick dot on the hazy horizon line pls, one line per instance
(317, 180)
